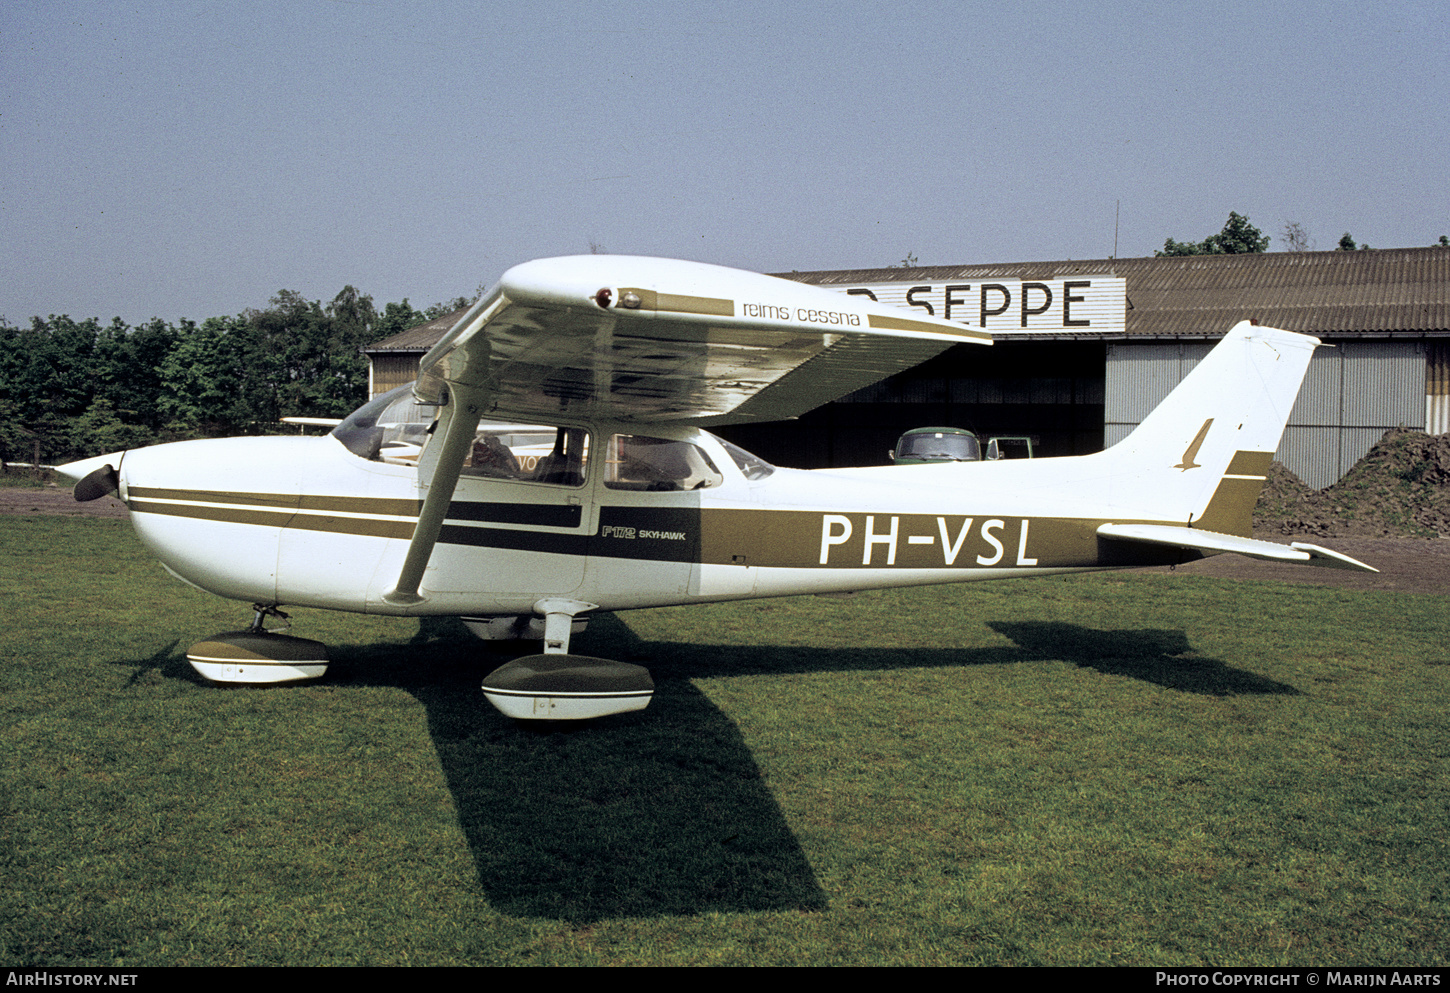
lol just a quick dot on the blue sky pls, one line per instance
(187, 159)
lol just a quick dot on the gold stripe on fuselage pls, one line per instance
(790, 539)
(367, 516)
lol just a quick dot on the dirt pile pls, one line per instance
(1400, 489)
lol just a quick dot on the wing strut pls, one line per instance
(457, 440)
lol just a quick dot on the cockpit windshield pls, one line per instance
(394, 425)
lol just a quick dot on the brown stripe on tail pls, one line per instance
(1231, 510)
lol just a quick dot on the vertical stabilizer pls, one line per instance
(1200, 458)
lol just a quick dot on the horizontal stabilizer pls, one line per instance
(1212, 543)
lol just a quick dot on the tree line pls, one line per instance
(71, 389)
(1240, 237)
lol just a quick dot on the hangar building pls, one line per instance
(1085, 349)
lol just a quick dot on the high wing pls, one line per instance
(643, 339)
(639, 339)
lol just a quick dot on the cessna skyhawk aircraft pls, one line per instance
(552, 460)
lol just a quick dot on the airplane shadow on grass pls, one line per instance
(660, 812)
(1162, 657)
(665, 812)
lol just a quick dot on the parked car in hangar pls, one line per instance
(936, 444)
(944, 444)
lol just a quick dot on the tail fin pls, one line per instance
(1202, 455)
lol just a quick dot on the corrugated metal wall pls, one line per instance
(1139, 376)
(1352, 395)
(1437, 387)
(391, 371)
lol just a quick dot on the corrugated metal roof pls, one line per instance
(1384, 291)
(418, 338)
(1371, 292)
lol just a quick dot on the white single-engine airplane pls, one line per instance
(552, 460)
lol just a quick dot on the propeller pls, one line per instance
(97, 483)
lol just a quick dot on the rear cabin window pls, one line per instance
(752, 466)
(638, 462)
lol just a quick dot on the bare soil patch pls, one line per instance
(56, 499)
(1406, 565)
(1401, 488)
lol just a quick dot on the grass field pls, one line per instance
(1144, 769)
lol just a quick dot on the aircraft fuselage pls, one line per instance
(304, 521)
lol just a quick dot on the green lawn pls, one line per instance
(1145, 769)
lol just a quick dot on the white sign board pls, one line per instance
(1076, 304)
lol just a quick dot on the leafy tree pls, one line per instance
(449, 306)
(12, 423)
(52, 381)
(1296, 239)
(1346, 244)
(1238, 237)
(128, 370)
(353, 312)
(398, 317)
(202, 379)
(80, 388)
(101, 429)
(291, 369)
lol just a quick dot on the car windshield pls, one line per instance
(940, 446)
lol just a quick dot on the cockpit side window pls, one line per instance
(394, 428)
(529, 453)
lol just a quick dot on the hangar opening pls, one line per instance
(1013, 388)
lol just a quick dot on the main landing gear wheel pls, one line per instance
(557, 686)
(257, 655)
